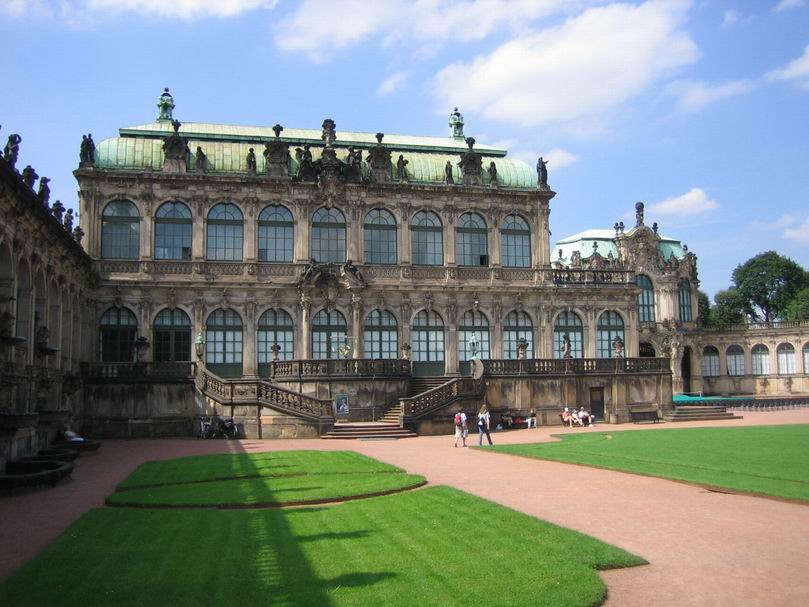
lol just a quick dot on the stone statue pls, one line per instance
(575, 259)
(12, 149)
(175, 150)
(69, 221)
(470, 164)
(352, 171)
(456, 124)
(200, 160)
(351, 273)
(493, 175)
(251, 162)
(78, 234)
(522, 348)
(306, 168)
(58, 209)
(617, 347)
(165, 106)
(401, 168)
(29, 176)
(542, 173)
(448, 173)
(87, 151)
(379, 161)
(42, 336)
(44, 191)
(329, 134)
(566, 346)
(276, 155)
(654, 227)
(638, 214)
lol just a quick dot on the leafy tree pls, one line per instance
(703, 308)
(730, 308)
(768, 282)
(798, 307)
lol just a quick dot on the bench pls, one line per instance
(644, 416)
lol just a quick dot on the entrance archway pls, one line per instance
(685, 369)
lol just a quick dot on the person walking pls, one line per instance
(461, 430)
(484, 419)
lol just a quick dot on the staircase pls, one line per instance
(368, 431)
(422, 384)
(393, 414)
(690, 413)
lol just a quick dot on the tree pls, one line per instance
(730, 308)
(703, 309)
(768, 282)
(798, 308)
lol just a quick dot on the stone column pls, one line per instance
(354, 236)
(451, 366)
(590, 334)
(773, 346)
(250, 237)
(449, 242)
(542, 244)
(198, 240)
(146, 235)
(497, 334)
(494, 246)
(305, 334)
(250, 360)
(356, 326)
(302, 235)
(405, 254)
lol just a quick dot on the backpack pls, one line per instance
(458, 420)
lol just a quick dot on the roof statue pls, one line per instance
(44, 191)
(29, 176)
(492, 174)
(68, 222)
(638, 214)
(401, 167)
(276, 155)
(542, 173)
(200, 160)
(57, 210)
(329, 134)
(175, 150)
(165, 106)
(470, 164)
(87, 151)
(12, 149)
(448, 173)
(456, 125)
(379, 161)
(251, 162)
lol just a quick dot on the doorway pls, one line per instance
(597, 403)
(685, 369)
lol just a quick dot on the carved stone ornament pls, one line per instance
(331, 276)
(175, 151)
(471, 164)
(379, 161)
(276, 156)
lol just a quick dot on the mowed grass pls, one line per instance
(767, 460)
(436, 546)
(226, 466)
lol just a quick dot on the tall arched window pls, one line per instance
(610, 326)
(472, 242)
(686, 313)
(428, 343)
(473, 324)
(328, 236)
(380, 237)
(517, 326)
(172, 231)
(646, 298)
(806, 358)
(786, 359)
(119, 328)
(515, 242)
(225, 233)
(380, 336)
(120, 231)
(427, 239)
(760, 355)
(224, 343)
(710, 361)
(328, 334)
(275, 234)
(172, 336)
(735, 358)
(274, 327)
(568, 323)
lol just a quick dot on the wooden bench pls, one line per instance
(644, 416)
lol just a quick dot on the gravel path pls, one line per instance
(704, 547)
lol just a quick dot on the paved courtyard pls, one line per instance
(704, 547)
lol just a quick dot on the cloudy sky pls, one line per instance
(698, 108)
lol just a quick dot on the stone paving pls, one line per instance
(704, 547)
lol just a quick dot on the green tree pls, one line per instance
(703, 309)
(768, 282)
(730, 308)
(798, 308)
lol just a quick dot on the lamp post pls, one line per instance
(199, 345)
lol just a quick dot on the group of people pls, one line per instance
(582, 417)
(484, 421)
(569, 416)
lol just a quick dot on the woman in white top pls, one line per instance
(483, 424)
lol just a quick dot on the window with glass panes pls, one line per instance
(806, 358)
(328, 334)
(475, 324)
(380, 335)
(710, 361)
(427, 239)
(225, 233)
(646, 298)
(173, 231)
(172, 336)
(472, 244)
(275, 234)
(224, 342)
(786, 359)
(119, 329)
(735, 358)
(275, 327)
(760, 359)
(686, 313)
(120, 231)
(428, 337)
(515, 242)
(568, 323)
(379, 237)
(328, 236)
(610, 325)
(517, 326)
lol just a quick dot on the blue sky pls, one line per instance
(697, 108)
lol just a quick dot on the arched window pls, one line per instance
(568, 323)
(427, 239)
(515, 242)
(473, 325)
(120, 231)
(224, 343)
(172, 336)
(806, 358)
(686, 314)
(472, 243)
(225, 233)
(275, 234)
(610, 326)
(274, 327)
(428, 342)
(328, 334)
(646, 350)
(517, 326)
(761, 360)
(735, 357)
(380, 336)
(710, 361)
(172, 231)
(119, 328)
(380, 237)
(786, 359)
(328, 236)
(646, 299)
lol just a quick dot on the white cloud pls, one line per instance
(587, 66)
(558, 158)
(693, 96)
(797, 70)
(393, 83)
(693, 202)
(730, 17)
(785, 5)
(76, 10)
(782, 222)
(799, 234)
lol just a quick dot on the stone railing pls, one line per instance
(441, 396)
(761, 326)
(349, 367)
(562, 366)
(591, 277)
(151, 371)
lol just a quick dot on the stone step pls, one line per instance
(693, 418)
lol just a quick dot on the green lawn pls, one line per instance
(768, 460)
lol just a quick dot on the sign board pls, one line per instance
(341, 404)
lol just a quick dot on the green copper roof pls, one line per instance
(583, 243)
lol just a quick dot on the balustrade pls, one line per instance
(160, 370)
(296, 369)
